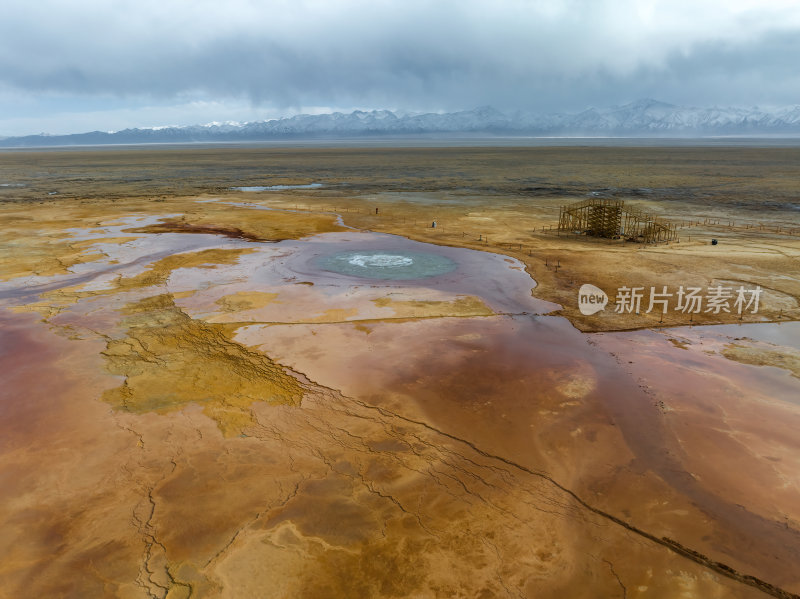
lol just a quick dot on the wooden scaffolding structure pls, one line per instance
(612, 219)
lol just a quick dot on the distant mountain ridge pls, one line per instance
(643, 118)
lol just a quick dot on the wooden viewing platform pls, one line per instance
(612, 219)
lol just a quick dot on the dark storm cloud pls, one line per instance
(416, 55)
(763, 70)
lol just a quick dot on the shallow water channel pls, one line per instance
(389, 321)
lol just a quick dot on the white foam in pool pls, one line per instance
(386, 264)
(384, 260)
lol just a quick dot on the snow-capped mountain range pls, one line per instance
(643, 118)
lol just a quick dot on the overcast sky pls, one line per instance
(80, 65)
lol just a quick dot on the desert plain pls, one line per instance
(194, 403)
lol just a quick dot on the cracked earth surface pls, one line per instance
(191, 412)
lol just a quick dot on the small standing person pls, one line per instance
(433, 225)
(376, 211)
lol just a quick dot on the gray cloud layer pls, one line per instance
(412, 55)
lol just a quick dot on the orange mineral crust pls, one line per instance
(289, 394)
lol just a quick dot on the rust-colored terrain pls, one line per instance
(191, 407)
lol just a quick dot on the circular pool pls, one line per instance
(386, 264)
